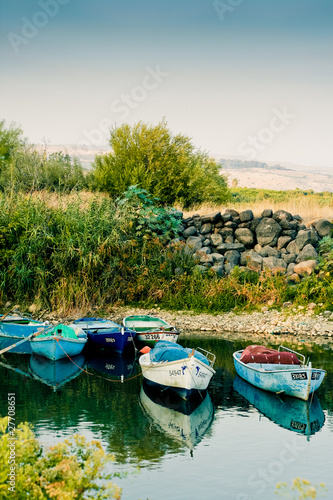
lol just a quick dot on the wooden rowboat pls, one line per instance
(150, 329)
(293, 378)
(183, 371)
(58, 342)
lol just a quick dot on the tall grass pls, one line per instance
(78, 253)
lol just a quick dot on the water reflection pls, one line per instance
(186, 421)
(56, 373)
(304, 417)
(112, 364)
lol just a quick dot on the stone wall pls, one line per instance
(277, 241)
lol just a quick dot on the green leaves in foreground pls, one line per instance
(71, 470)
(301, 489)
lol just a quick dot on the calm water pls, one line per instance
(236, 443)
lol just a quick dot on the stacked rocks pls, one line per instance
(276, 241)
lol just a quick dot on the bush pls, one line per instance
(69, 470)
(166, 165)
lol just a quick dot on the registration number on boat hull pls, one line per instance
(299, 376)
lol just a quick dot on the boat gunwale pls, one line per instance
(155, 364)
(306, 368)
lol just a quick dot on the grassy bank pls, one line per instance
(83, 251)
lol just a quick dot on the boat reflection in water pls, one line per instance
(304, 417)
(186, 421)
(112, 364)
(56, 373)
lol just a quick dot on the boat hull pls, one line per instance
(20, 331)
(106, 334)
(150, 329)
(184, 377)
(116, 341)
(297, 381)
(55, 348)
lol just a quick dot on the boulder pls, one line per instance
(274, 263)
(283, 242)
(305, 268)
(226, 247)
(216, 240)
(245, 236)
(289, 232)
(226, 217)
(254, 261)
(190, 231)
(194, 242)
(206, 228)
(289, 257)
(323, 227)
(231, 224)
(285, 224)
(213, 218)
(268, 251)
(303, 238)
(255, 222)
(245, 224)
(293, 248)
(267, 213)
(217, 258)
(232, 212)
(232, 258)
(206, 242)
(226, 231)
(197, 222)
(218, 269)
(307, 253)
(291, 268)
(218, 224)
(243, 257)
(246, 215)
(280, 215)
(268, 232)
(206, 259)
(229, 239)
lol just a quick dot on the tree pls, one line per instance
(166, 165)
(11, 141)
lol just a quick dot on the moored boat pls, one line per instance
(150, 329)
(280, 371)
(58, 342)
(17, 326)
(181, 370)
(106, 333)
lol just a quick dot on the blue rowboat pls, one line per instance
(106, 333)
(287, 412)
(58, 342)
(298, 380)
(150, 329)
(56, 373)
(20, 327)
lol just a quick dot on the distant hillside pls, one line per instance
(259, 175)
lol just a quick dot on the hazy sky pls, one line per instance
(243, 78)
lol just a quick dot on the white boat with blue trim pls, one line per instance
(181, 370)
(281, 371)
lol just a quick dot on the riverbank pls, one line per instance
(266, 326)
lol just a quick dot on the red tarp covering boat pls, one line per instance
(261, 354)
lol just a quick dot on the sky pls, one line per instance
(250, 79)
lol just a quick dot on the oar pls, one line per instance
(17, 343)
(5, 315)
(35, 334)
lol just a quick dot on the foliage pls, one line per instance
(11, 141)
(73, 469)
(300, 489)
(166, 165)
